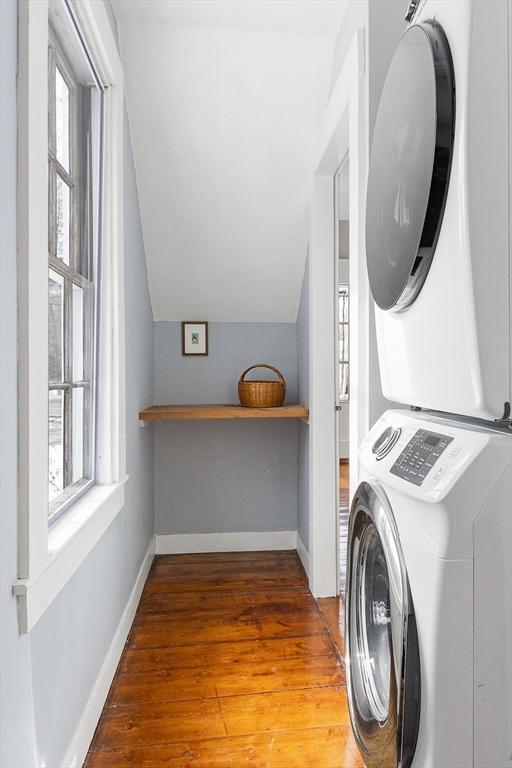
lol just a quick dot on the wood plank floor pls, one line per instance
(344, 482)
(333, 609)
(230, 662)
(343, 515)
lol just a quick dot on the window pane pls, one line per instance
(55, 443)
(78, 434)
(55, 325)
(343, 306)
(343, 343)
(78, 333)
(343, 393)
(62, 119)
(63, 220)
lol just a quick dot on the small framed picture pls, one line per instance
(194, 338)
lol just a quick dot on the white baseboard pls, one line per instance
(183, 543)
(81, 741)
(303, 554)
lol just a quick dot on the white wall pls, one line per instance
(355, 17)
(223, 122)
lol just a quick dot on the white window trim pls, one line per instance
(48, 558)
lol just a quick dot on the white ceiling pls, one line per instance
(318, 18)
(224, 100)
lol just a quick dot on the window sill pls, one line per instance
(70, 541)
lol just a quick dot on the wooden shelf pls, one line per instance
(181, 412)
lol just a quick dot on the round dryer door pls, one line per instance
(383, 670)
(409, 166)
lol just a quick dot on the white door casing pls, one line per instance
(344, 128)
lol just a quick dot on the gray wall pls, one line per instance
(223, 476)
(303, 428)
(48, 675)
(232, 348)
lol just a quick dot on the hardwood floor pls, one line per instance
(344, 482)
(333, 609)
(343, 515)
(230, 662)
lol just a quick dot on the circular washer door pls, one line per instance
(383, 669)
(410, 166)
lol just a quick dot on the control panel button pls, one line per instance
(436, 477)
(420, 455)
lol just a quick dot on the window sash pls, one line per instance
(343, 343)
(78, 179)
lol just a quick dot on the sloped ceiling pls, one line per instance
(224, 101)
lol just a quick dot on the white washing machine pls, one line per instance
(429, 600)
(439, 208)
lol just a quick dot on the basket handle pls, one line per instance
(263, 365)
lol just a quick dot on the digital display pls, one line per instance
(431, 440)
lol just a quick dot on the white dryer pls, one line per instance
(429, 599)
(439, 208)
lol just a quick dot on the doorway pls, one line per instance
(342, 363)
(343, 128)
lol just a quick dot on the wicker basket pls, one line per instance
(261, 394)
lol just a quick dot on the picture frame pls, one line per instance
(194, 338)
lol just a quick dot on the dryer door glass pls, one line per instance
(409, 166)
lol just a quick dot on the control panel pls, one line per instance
(419, 456)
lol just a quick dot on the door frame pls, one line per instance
(344, 129)
(341, 406)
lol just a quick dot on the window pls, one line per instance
(74, 137)
(72, 446)
(343, 339)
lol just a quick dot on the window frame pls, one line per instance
(48, 557)
(75, 178)
(344, 330)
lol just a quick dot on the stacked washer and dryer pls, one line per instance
(429, 598)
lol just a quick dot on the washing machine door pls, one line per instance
(410, 166)
(382, 656)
